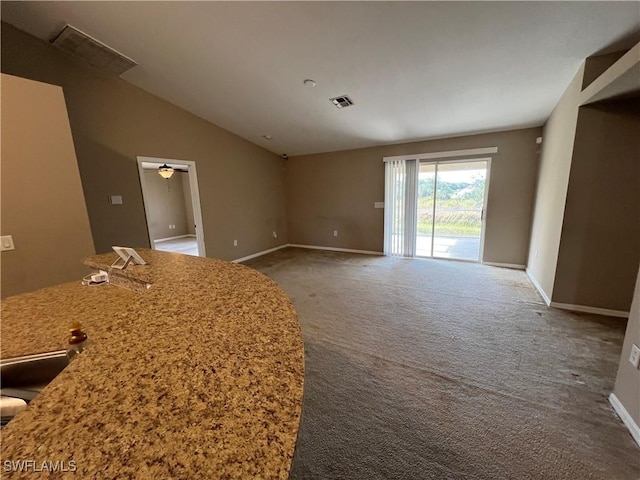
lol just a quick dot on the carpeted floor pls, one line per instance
(431, 369)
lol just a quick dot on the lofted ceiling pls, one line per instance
(414, 70)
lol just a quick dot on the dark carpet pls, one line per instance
(432, 369)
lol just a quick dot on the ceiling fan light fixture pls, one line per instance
(166, 171)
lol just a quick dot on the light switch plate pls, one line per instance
(6, 242)
(115, 199)
(378, 204)
(634, 357)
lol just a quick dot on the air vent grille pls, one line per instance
(92, 51)
(342, 101)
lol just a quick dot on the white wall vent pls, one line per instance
(341, 101)
(92, 51)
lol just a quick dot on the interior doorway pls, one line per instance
(172, 206)
(450, 208)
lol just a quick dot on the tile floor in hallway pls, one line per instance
(187, 245)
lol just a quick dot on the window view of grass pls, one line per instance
(458, 207)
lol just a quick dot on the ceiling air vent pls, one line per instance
(342, 101)
(92, 51)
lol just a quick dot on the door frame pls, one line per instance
(439, 161)
(195, 197)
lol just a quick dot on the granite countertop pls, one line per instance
(199, 376)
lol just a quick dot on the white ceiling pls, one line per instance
(415, 70)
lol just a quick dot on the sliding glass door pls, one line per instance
(451, 200)
(426, 209)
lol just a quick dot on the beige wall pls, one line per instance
(597, 65)
(42, 202)
(627, 387)
(241, 185)
(553, 178)
(600, 241)
(165, 205)
(337, 191)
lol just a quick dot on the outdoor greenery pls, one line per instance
(459, 207)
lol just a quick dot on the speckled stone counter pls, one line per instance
(200, 376)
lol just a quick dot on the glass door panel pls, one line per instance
(426, 190)
(459, 203)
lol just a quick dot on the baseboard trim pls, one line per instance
(514, 266)
(158, 240)
(259, 254)
(538, 287)
(625, 417)
(335, 249)
(586, 309)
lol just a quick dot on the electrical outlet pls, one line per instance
(235, 243)
(335, 233)
(634, 358)
(275, 234)
(7, 243)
